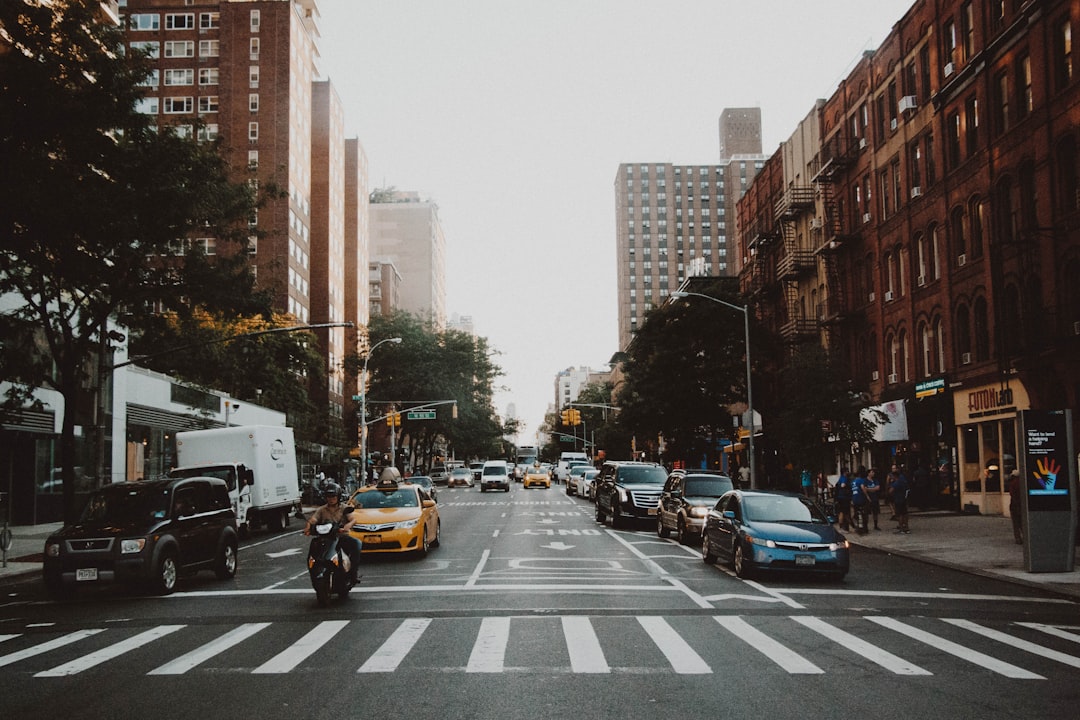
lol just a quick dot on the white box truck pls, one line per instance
(258, 462)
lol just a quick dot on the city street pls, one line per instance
(531, 607)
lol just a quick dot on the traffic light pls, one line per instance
(575, 416)
(393, 420)
(565, 416)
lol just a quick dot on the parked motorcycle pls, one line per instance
(328, 564)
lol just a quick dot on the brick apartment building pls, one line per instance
(923, 223)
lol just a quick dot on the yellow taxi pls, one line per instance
(538, 476)
(395, 516)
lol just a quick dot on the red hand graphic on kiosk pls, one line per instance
(1046, 474)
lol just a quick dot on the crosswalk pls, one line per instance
(707, 644)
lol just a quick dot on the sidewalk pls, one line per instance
(978, 544)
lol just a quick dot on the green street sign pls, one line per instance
(421, 415)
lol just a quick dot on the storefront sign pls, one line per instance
(986, 402)
(929, 388)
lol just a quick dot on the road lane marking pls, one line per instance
(1051, 630)
(397, 646)
(1016, 642)
(586, 655)
(9, 637)
(489, 650)
(479, 569)
(955, 649)
(185, 662)
(783, 656)
(684, 660)
(859, 646)
(113, 651)
(299, 651)
(48, 646)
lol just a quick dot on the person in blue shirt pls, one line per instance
(859, 500)
(898, 489)
(807, 481)
(842, 496)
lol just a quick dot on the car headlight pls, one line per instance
(842, 545)
(622, 495)
(406, 524)
(699, 512)
(133, 545)
(52, 550)
(761, 541)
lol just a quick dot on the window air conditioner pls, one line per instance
(862, 143)
(961, 260)
(965, 358)
(892, 378)
(815, 223)
(950, 68)
(888, 295)
(875, 376)
(871, 297)
(907, 103)
(866, 218)
(892, 124)
(916, 191)
(922, 280)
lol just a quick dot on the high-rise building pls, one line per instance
(406, 231)
(677, 221)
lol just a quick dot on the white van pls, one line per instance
(562, 470)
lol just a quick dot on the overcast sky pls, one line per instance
(513, 116)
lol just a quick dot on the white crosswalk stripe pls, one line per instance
(682, 646)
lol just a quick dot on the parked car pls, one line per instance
(495, 476)
(145, 532)
(573, 477)
(771, 531)
(628, 490)
(459, 477)
(587, 484)
(687, 497)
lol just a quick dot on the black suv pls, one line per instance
(687, 497)
(149, 532)
(627, 489)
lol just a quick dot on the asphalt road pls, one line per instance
(529, 608)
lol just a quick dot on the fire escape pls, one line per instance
(829, 236)
(794, 263)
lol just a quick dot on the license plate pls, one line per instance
(84, 574)
(804, 560)
(653, 511)
(372, 539)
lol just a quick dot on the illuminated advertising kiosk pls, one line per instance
(1048, 471)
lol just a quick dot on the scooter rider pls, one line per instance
(334, 511)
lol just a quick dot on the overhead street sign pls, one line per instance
(421, 415)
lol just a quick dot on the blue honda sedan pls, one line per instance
(763, 530)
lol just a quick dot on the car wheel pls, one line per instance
(569, 490)
(617, 520)
(322, 590)
(226, 563)
(706, 550)
(683, 533)
(438, 534)
(742, 565)
(425, 546)
(661, 530)
(164, 582)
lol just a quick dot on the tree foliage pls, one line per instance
(95, 200)
(431, 367)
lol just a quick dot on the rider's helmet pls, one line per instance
(332, 489)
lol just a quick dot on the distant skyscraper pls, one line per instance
(677, 221)
(407, 231)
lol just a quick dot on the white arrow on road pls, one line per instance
(547, 521)
(558, 546)
(284, 553)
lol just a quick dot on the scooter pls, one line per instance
(328, 564)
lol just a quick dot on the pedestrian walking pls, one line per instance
(807, 482)
(859, 500)
(842, 495)
(899, 489)
(1015, 510)
(873, 496)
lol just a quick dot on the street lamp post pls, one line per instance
(745, 310)
(363, 408)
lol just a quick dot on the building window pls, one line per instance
(976, 226)
(963, 334)
(1063, 70)
(147, 105)
(948, 37)
(179, 105)
(1067, 178)
(208, 132)
(152, 79)
(185, 21)
(982, 330)
(1026, 101)
(152, 48)
(253, 131)
(953, 128)
(967, 28)
(956, 230)
(209, 20)
(253, 159)
(184, 76)
(209, 48)
(208, 104)
(935, 253)
(1001, 92)
(179, 48)
(145, 21)
(931, 168)
(253, 102)
(254, 48)
(926, 350)
(209, 76)
(255, 21)
(253, 76)
(971, 117)
(914, 160)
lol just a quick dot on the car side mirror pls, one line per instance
(427, 503)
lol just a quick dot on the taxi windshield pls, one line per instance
(402, 497)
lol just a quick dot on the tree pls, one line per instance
(96, 204)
